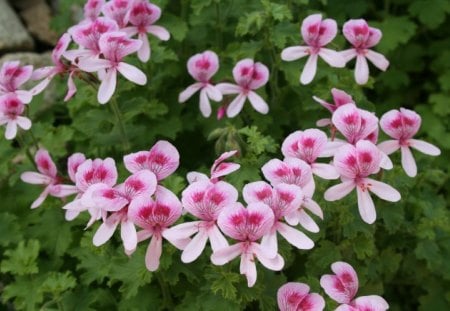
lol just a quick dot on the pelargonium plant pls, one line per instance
(208, 220)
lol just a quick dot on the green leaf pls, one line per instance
(430, 13)
(251, 23)
(56, 283)
(396, 30)
(176, 26)
(22, 260)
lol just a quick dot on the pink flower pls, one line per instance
(89, 173)
(118, 10)
(204, 200)
(354, 123)
(49, 72)
(142, 16)
(162, 159)
(247, 225)
(154, 217)
(316, 33)
(355, 164)
(363, 37)
(12, 77)
(93, 8)
(218, 170)
(11, 110)
(47, 176)
(73, 163)
(308, 146)
(340, 98)
(297, 172)
(342, 287)
(283, 199)
(117, 200)
(114, 47)
(202, 67)
(87, 36)
(402, 126)
(249, 76)
(294, 296)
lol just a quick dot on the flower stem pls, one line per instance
(168, 303)
(24, 147)
(117, 113)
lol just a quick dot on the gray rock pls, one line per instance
(29, 58)
(37, 18)
(13, 35)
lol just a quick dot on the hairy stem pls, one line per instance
(123, 134)
(168, 302)
(24, 147)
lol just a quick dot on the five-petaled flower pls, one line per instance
(247, 225)
(249, 76)
(402, 126)
(342, 287)
(355, 164)
(295, 296)
(363, 37)
(202, 67)
(316, 33)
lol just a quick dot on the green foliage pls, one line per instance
(48, 263)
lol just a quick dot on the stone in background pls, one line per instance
(13, 35)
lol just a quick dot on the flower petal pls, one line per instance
(384, 191)
(107, 87)
(424, 147)
(332, 58)
(189, 91)
(194, 249)
(153, 253)
(408, 162)
(309, 71)
(377, 59)
(236, 105)
(295, 237)
(205, 106)
(226, 254)
(339, 191)
(361, 70)
(294, 53)
(104, 232)
(258, 103)
(132, 73)
(366, 206)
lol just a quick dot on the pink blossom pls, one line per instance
(342, 287)
(297, 172)
(118, 10)
(308, 145)
(402, 126)
(73, 163)
(162, 159)
(316, 33)
(154, 217)
(355, 164)
(87, 36)
(117, 201)
(11, 110)
(49, 72)
(283, 199)
(295, 296)
(218, 170)
(142, 16)
(114, 47)
(204, 200)
(249, 76)
(89, 173)
(363, 37)
(247, 225)
(354, 123)
(202, 67)
(340, 98)
(12, 77)
(47, 176)
(93, 8)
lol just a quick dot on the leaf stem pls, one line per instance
(123, 134)
(24, 147)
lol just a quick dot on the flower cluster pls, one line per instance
(248, 75)
(13, 99)
(318, 32)
(342, 287)
(102, 40)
